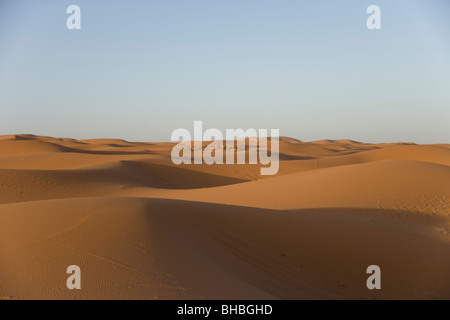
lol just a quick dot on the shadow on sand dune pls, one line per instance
(298, 254)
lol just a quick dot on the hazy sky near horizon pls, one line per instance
(138, 70)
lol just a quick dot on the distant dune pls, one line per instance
(141, 227)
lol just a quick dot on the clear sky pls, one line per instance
(140, 69)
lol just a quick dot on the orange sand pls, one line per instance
(142, 228)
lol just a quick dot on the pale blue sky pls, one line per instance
(140, 69)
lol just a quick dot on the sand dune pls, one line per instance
(394, 184)
(141, 227)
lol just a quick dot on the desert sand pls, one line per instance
(141, 227)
